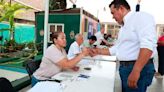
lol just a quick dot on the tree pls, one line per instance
(8, 11)
(57, 4)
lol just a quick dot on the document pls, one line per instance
(46, 86)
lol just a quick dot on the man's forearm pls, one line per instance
(103, 51)
(144, 56)
(105, 41)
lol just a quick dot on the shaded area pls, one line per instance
(18, 65)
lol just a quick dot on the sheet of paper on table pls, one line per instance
(64, 76)
(47, 86)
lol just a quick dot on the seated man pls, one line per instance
(75, 47)
(90, 42)
(100, 36)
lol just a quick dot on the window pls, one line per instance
(53, 27)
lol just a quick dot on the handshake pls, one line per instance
(90, 51)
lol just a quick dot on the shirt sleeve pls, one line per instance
(113, 49)
(146, 30)
(76, 49)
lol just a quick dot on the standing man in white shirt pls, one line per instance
(100, 36)
(135, 47)
(75, 47)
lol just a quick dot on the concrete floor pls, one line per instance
(25, 89)
(15, 75)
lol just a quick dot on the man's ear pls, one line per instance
(54, 40)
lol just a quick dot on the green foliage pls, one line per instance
(57, 4)
(11, 42)
(8, 11)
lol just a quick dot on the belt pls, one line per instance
(132, 62)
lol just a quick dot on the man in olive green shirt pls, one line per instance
(90, 42)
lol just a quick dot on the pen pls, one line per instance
(55, 80)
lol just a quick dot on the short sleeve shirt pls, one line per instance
(99, 37)
(73, 50)
(48, 67)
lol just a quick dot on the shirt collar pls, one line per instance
(127, 16)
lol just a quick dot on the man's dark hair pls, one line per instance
(93, 38)
(118, 3)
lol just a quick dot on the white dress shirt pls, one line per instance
(99, 37)
(138, 31)
(73, 50)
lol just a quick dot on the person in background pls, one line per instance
(100, 36)
(135, 47)
(90, 42)
(160, 49)
(75, 47)
(108, 38)
(98, 26)
(55, 59)
(138, 6)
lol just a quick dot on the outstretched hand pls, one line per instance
(75, 68)
(93, 52)
(85, 51)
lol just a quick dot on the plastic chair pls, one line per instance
(31, 66)
(5, 85)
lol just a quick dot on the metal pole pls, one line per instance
(46, 25)
(97, 14)
(81, 14)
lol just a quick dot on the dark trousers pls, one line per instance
(160, 59)
(146, 77)
(34, 81)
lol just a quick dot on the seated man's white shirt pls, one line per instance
(99, 37)
(73, 50)
(48, 67)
